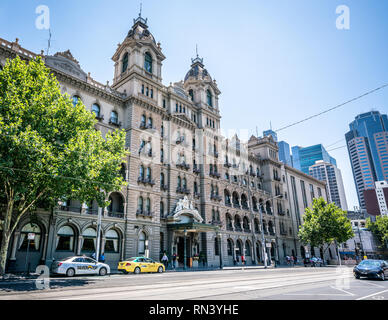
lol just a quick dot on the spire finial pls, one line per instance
(141, 7)
(196, 49)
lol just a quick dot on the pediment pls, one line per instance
(66, 63)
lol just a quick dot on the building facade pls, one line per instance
(376, 200)
(284, 153)
(368, 151)
(189, 190)
(329, 173)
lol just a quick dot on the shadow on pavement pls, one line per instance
(32, 285)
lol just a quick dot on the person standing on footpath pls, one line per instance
(165, 260)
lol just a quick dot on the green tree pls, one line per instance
(325, 224)
(379, 228)
(49, 149)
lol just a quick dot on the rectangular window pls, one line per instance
(295, 195)
(305, 203)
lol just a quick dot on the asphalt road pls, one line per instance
(258, 284)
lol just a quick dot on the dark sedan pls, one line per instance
(371, 269)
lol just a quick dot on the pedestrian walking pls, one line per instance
(243, 260)
(174, 257)
(102, 258)
(295, 260)
(292, 261)
(94, 255)
(165, 260)
(288, 260)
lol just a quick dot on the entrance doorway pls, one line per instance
(181, 250)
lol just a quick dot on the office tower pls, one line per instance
(328, 172)
(303, 158)
(367, 143)
(284, 153)
(271, 133)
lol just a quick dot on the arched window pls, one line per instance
(191, 94)
(65, 239)
(112, 241)
(142, 243)
(247, 248)
(195, 187)
(268, 207)
(209, 98)
(184, 183)
(179, 182)
(114, 117)
(140, 205)
(125, 63)
(116, 203)
(148, 62)
(96, 110)
(75, 100)
(33, 245)
(143, 121)
(89, 240)
(162, 180)
(161, 209)
(148, 206)
(230, 247)
(149, 123)
(141, 172)
(256, 223)
(148, 173)
(239, 248)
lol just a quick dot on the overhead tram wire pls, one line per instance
(333, 108)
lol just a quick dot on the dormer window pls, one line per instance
(96, 110)
(209, 98)
(125, 63)
(148, 62)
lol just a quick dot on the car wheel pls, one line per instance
(357, 276)
(70, 272)
(382, 277)
(160, 269)
(137, 270)
(103, 272)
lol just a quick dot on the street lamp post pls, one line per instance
(184, 250)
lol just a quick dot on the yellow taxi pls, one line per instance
(139, 265)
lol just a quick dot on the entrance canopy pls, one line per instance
(186, 217)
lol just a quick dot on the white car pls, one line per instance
(79, 265)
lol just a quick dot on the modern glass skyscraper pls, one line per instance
(304, 158)
(284, 153)
(367, 143)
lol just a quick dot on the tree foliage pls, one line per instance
(49, 149)
(324, 224)
(379, 228)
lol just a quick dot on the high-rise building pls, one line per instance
(328, 172)
(303, 158)
(284, 153)
(271, 133)
(367, 143)
(376, 200)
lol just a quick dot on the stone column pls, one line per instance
(14, 245)
(79, 245)
(44, 247)
(122, 249)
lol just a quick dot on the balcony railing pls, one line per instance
(227, 165)
(236, 205)
(214, 174)
(238, 228)
(228, 204)
(245, 207)
(281, 213)
(229, 228)
(116, 214)
(143, 213)
(148, 181)
(183, 190)
(93, 212)
(215, 197)
(183, 166)
(196, 170)
(216, 223)
(70, 209)
(247, 230)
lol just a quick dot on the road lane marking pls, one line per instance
(371, 295)
(343, 290)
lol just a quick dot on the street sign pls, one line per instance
(268, 244)
(31, 236)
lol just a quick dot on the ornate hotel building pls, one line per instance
(189, 190)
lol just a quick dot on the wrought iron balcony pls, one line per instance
(70, 209)
(183, 166)
(196, 170)
(148, 181)
(214, 174)
(116, 214)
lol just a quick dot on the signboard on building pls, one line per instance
(31, 236)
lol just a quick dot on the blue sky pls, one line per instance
(277, 61)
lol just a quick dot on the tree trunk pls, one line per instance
(3, 251)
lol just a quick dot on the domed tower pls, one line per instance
(203, 91)
(138, 53)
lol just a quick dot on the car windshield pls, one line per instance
(68, 258)
(369, 263)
